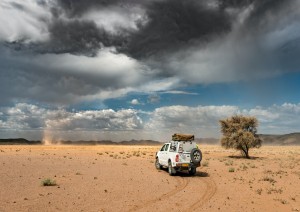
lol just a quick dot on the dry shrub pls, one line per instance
(269, 179)
(205, 163)
(48, 182)
(274, 190)
(231, 169)
(259, 191)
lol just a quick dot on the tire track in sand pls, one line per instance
(211, 189)
(182, 183)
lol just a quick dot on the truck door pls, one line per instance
(164, 155)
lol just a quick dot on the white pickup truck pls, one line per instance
(179, 156)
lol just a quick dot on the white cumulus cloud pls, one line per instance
(135, 102)
(28, 120)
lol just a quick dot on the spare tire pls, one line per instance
(196, 155)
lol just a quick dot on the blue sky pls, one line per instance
(276, 90)
(145, 70)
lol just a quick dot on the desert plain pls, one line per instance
(124, 178)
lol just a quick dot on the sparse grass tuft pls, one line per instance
(48, 182)
(136, 153)
(229, 163)
(205, 163)
(274, 190)
(222, 160)
(268, 171)
(269, 179)
(259, 191)
(282, 201)
(243, 167)
(231, 169)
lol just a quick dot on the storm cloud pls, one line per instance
(64, 52)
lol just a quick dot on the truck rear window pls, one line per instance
(188, 146)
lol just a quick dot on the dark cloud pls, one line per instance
(78, 7)
(167, 25)
(65, 78)
(288, 55)
(234, 4)
(75, 37)
(174, 24)
(261, 41)
(79, 37)
(69, 50)
(267, 12)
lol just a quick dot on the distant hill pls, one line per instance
(291, 139)
(9, 141)
(102, 142)
(109, 142)
(210, 141)
(18, 141)
(140, 142)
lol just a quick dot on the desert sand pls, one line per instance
(124, 178)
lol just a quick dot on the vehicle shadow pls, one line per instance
(198, 174)
(185, 174)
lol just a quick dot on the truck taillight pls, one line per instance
(177, 158)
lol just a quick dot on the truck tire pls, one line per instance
(171, 170)
(157, 164)
(196, 155)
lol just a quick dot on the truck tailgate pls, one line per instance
(184, 157)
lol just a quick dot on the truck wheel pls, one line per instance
(192, 171)
(196, 155)
(157, 164)
(171, 170)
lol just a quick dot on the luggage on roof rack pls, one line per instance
(182, 137)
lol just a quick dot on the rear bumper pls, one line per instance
(186, 165)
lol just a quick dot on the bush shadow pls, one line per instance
(243, 157)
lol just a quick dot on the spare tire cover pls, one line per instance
(196, 155)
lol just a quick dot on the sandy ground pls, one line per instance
(123, 178)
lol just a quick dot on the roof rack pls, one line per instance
(182, 137)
